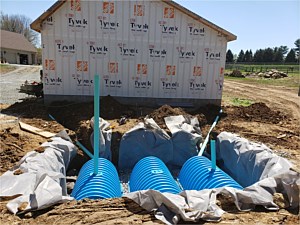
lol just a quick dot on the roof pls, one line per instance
(37, 24)
(16, 41)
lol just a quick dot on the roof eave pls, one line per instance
(229, 36)
(37, 24)
(15, 49)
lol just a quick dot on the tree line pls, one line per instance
(19, 24)
(280, 54)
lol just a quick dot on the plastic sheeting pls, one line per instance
(145, 139)
(248, 162)
(272, 173)
(104, 137)
(186, 137)
(42, 182)
(148, 139)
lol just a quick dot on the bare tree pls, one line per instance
(19, 24)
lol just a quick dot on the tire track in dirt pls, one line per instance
(284, 99)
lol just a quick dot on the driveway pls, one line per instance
(10, 82)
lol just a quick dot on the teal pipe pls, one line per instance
(84, 149)
(96, 122)
(213, 154)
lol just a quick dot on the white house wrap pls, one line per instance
(149, 51)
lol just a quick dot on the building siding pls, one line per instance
(139, 49)
(13, 56)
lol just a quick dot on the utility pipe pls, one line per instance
(84, 149)
(213, 154)
(96, 122)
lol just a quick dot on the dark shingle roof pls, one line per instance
(11, 40)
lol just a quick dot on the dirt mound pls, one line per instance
(14, 144)
(71, 114)
(257, 122)
(106, 211)
(112, 109)
(258, 112)
(164, 111)
(235, 73)
(207, 114)
(29, 108)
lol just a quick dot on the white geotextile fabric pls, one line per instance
(43, 179)
(186, 138)
(148, 139)
(248, 162)
(270, 174)
(145, 139)
(105, 135)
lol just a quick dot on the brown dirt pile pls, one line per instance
(257, 122)
(258, 112)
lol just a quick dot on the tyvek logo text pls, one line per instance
(142, 84)
(195, 86)
(157, 53)
(138, 28)
(96, 50)
(212, 55)
(78, 23)
(124, 51)
(112, 83)
(50, 80)
(195, 32)
(169, 85)
(184, 55)
(65, 49)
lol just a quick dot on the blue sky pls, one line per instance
(257, 24)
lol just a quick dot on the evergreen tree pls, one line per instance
(278, 54)
(258, 56)
(284, 49)
(268, 55)
(291, 57)
(241, 56)
(297, 43)
(229, 56)
(247, 56)
(251, 56)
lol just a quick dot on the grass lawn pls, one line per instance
(263, 68)
(4, 68)
(292, 81)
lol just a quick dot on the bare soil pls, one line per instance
(273, 120)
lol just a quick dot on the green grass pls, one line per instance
(241, 102)
(262, 68)
(292, 81)
(4, 68)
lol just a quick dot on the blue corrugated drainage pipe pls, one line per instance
(196, 174)
(104, 184)
(151, 173)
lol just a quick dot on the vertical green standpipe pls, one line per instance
(96, 122)
(213, 154)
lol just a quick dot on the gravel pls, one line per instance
(10, 82)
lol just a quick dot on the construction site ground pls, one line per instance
(272, 119)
